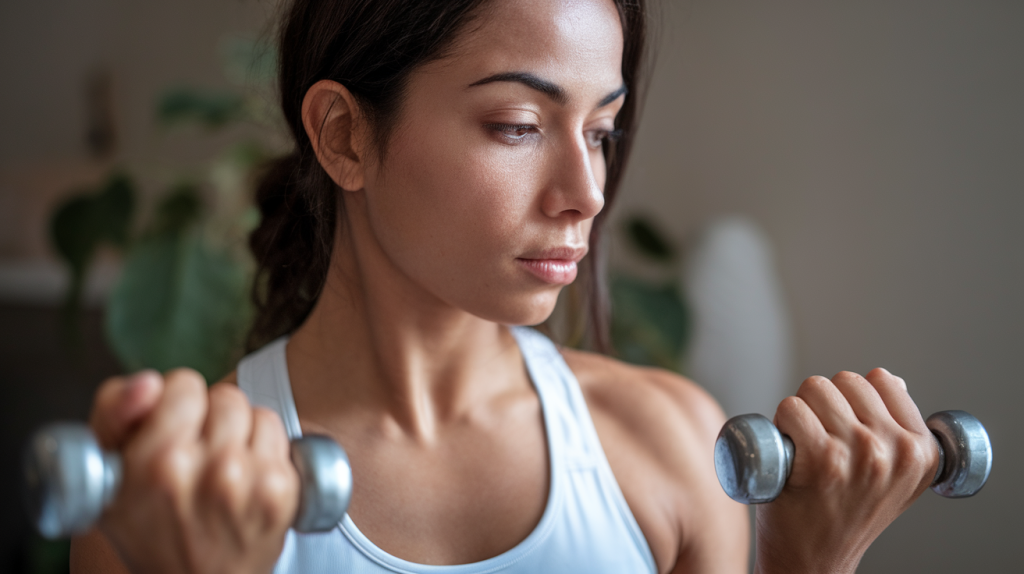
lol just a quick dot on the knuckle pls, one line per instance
(913, 454)
(269, 434)
(268, 418)
(168, 470)
(228, 396)
(848, 378)
(833, 464)
(880, 374)
(225, 478)
(226, 470)
(875, 458)
(789, 407)
(106, 397)
(815, 384)
(110, 386)
(185, 376)
(276, 493)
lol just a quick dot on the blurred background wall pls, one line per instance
(878, 145)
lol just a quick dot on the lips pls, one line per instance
(555, 266)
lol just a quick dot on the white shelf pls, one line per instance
(44, 282)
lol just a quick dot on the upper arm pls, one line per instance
(93, 553)
(716, 528)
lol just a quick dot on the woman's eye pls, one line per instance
(513, 133)
(596, 138)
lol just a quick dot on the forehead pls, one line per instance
(574, 43)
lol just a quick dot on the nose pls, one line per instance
(572, 189)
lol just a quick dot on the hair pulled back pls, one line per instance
(371, 47)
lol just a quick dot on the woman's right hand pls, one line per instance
(208, 485)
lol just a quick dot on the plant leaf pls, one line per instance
(209, 108)
(84, 221)
(177, 210)
(649, 322)
(178, 303)
(114, 208)
(644, 236)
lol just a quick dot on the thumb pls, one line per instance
(122, 403)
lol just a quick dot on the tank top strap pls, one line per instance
(263, 377)
(573, 432)
(561, 396)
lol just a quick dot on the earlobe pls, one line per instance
(335, 128)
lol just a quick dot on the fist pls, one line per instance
(208, 485)
(863, 455)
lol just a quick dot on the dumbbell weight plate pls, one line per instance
(752, 459)
(326, 482)
(68, 479)
(967, 461)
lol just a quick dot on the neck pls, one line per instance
(379, 345)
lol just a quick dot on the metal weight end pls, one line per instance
(752, 459)
(326, 480)
(68, 480)
(967, 453)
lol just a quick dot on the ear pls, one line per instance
(336, 129)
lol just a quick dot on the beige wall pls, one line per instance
(878, 143)
(48, 49)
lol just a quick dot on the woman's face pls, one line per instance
(494, 172)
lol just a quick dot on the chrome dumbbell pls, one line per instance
(753, 459)
(69, 480)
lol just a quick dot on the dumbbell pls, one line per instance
(69, 480)
(753, 459)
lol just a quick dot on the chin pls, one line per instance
(519, 309)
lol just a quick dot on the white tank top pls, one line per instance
(586, 526)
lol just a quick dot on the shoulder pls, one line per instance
(658, 431)
(650, 402)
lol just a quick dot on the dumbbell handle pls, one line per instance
(69, 480)
(753, 459)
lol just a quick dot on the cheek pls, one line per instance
(451, 211)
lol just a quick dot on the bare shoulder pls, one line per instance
(658, 431)
(649, 401)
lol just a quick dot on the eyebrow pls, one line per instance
(550, 89)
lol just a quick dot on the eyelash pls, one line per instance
(506, 130)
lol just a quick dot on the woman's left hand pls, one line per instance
(863, 455)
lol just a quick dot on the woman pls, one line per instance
(453, 160)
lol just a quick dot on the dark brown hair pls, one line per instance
(371, 47)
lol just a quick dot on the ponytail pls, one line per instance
(292, 245)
